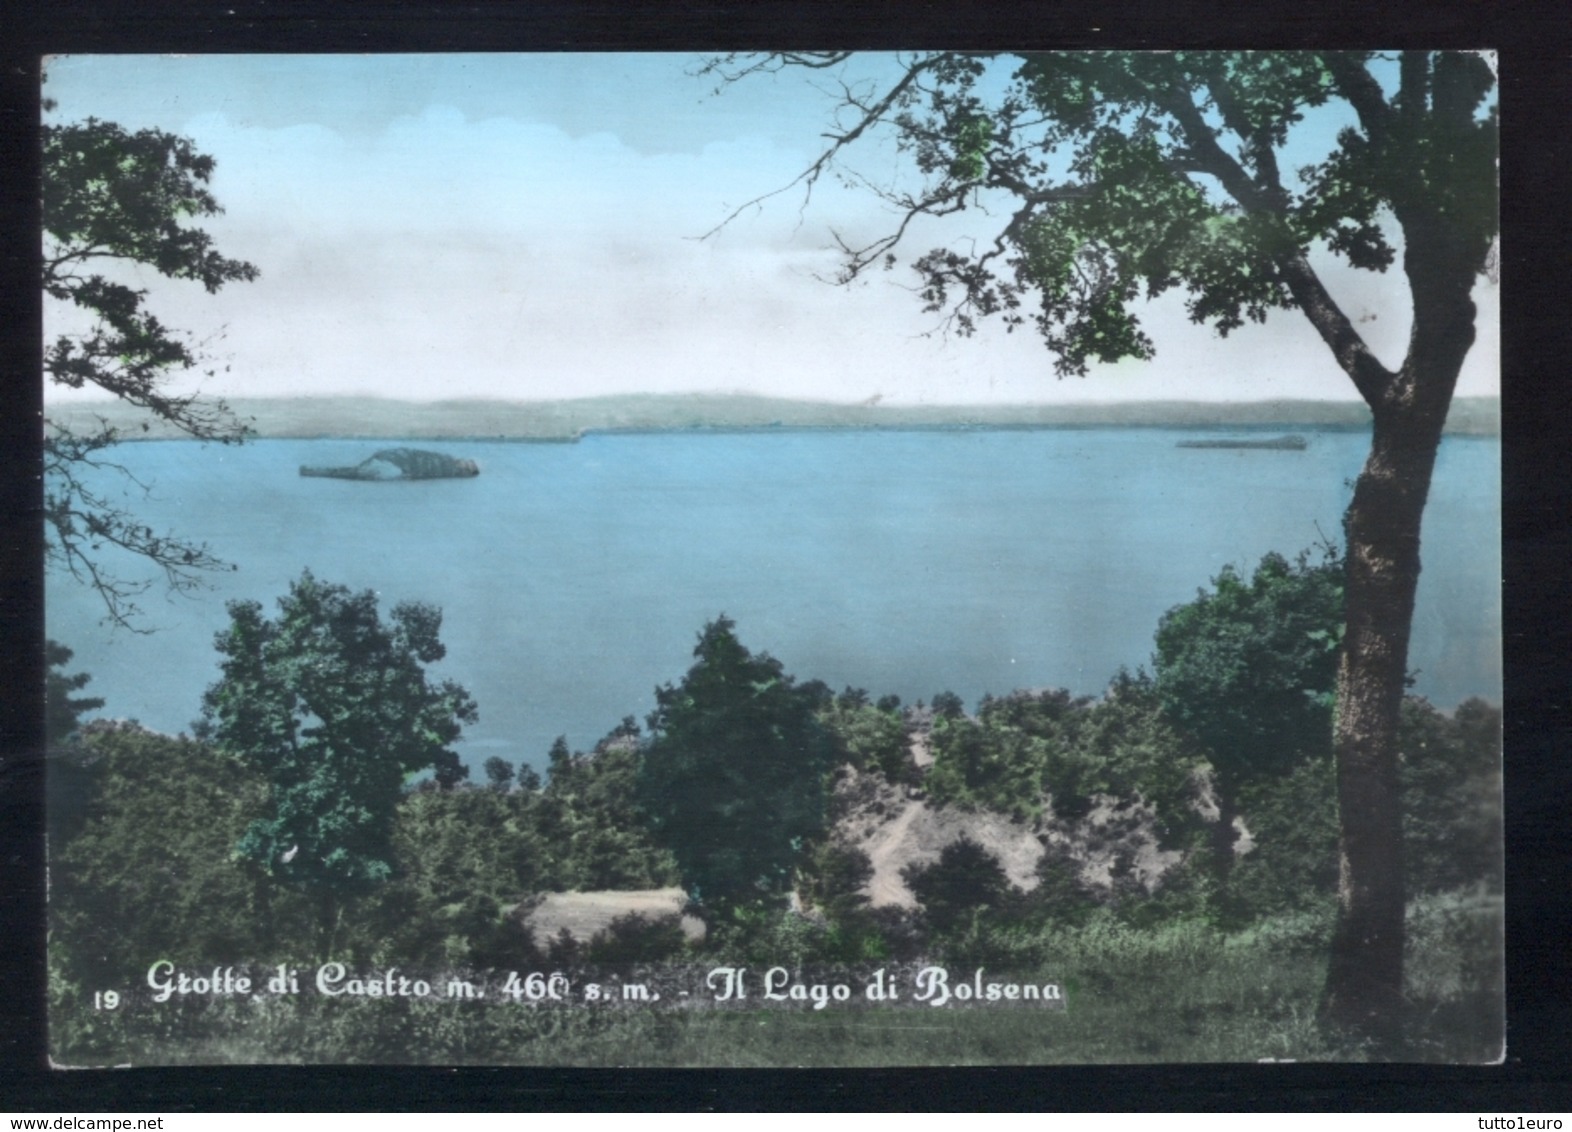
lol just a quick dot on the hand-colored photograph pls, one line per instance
(768, 560)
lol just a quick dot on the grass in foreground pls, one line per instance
(1180, 993)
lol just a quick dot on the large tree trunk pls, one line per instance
(1365, 978)
(1364, 989)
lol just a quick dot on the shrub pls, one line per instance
(636, 938)
(1451, 778)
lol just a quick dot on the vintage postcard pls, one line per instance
(773, 560)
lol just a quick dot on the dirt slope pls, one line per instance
(898, 827)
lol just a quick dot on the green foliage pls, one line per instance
(766, 935)
(1124, 747)
(1121, 176)
(1454, 976)
(1061, 898)
(965, 880)
(62, 711)
(597, 833)
(1451, 782)
(831, 884)
(112, 196)
(834, 877)
(947, 705)
(979, 766)
(1249, 668)
(463, 859)
(1029, 749)
(871, 735)
(1292, 865)
(499, 773)
(636, 938)
(1044, 731)
(734, 778)
(334, 710)
(152, 872)
(69, 772)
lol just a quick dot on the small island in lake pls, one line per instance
(400, 464)
(1291, 443)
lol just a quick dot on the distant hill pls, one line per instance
(386, 419)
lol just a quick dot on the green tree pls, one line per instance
(1113, 177)
(114, 199)
(334, 709)
(970, 911)
(1292, 866)
(63, 711)
(152, 872)
(1123, 746)
(1248, 670)
(464, 859)
(734, 778)
(499, 774)
(964, 879)
(992, 765)
(590, 815)
(872, 736)
(68, 777)
(1451, 795)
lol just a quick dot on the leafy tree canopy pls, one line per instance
(965, 879)
(987, 764)
(152, 871)
(592, 819)
(1451, 775)
(62, 710)
(871, 735)
(734, 776)
(1248, 669)
(1119, 176)
(334, 708)
(115, 199)
(499, 774)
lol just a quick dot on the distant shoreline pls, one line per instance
(369, 418)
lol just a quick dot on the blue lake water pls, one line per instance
(574, 577)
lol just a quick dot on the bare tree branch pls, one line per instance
(871, 116)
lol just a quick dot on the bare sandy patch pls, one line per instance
(584, 914)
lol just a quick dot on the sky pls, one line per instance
(532, 227)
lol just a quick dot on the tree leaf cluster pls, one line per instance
(333, 708)
(151, 871)
(63, 711)
(1247, 669)
(1035, 755)
(1104, 179)
(1451, 781)
(873, 736)
(592, 822)
(734, 776)
(115, 200)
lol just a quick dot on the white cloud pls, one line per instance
(444, 257)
